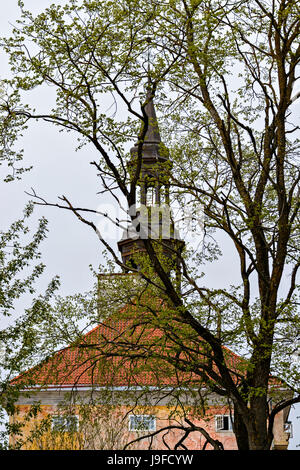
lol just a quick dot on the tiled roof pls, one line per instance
(96, 359)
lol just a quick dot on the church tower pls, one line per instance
(153, 212)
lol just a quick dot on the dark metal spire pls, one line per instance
(152, 134)
(153, 185)
(153, 148)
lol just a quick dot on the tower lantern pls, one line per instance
(153, 183)
(153, 213)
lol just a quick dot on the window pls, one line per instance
(61, 423)
(224, 423)
(288, 427)
(150, 196)
(142, 423)
(137, 196)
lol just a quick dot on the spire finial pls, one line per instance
(148, 40)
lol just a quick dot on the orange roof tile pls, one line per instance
(95, 360)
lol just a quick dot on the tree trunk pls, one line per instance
(240, 431)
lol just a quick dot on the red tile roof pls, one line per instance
(96, 360)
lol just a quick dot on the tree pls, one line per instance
(19, 336)
(223, 76)
(129, 365)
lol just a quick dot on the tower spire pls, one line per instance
(153, 202)
(152, 135)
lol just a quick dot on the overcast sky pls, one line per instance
(57, 169)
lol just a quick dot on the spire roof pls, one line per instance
(152, 134)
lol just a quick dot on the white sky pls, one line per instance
(57, 169)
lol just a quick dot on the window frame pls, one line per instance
(230, 423)
(65, 427)
(152, 423)
(288, 428)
